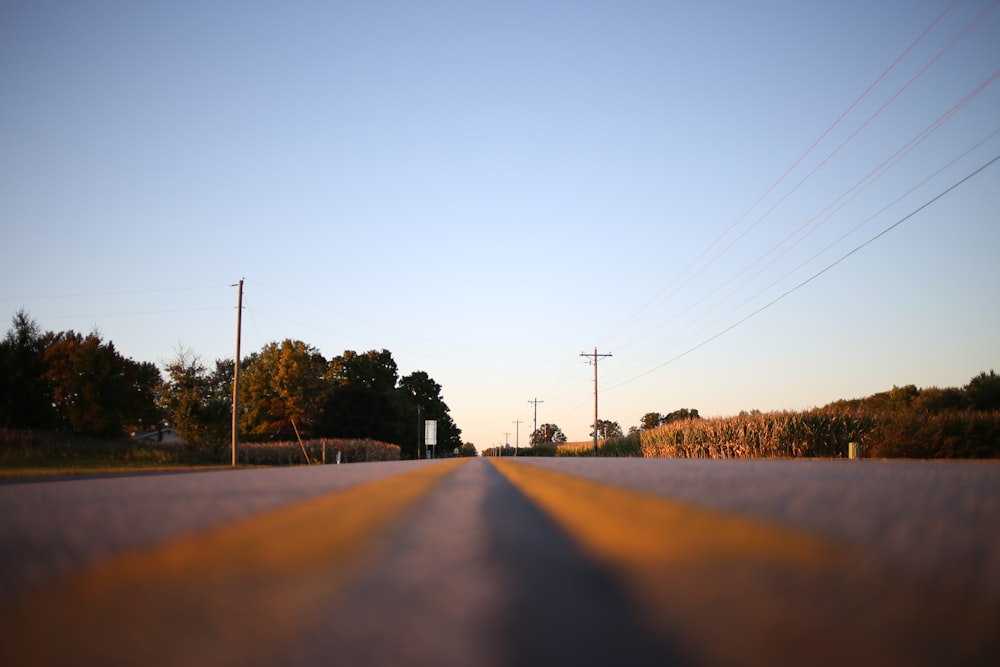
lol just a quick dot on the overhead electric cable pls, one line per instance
(79, 295)
(844, 143)
(853, 229)
(656, 297)
(845, 198)
(171, 311)
(812, 277)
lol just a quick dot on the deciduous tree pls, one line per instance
(547, 434)
(418, 388)
(282, 390)
(650, 420)
(198, 404)
(94, 389)
(607, 429)
(374, 370)
(25, 397)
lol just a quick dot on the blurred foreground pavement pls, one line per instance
(486, 562)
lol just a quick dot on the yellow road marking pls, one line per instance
(639, 530)
(228, 597)
(739, 590)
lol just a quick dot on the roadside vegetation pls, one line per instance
(29, 452)
(72, 400)
(904, 422)
(69, 401)
(321, 450)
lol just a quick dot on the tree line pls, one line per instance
(68, 381)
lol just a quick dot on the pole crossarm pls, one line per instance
(535, 402)
(595, 357)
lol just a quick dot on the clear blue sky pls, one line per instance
(488, 189)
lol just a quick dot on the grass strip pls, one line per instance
(231, 596)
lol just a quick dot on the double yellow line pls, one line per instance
(726, 588)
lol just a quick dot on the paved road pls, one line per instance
(478, 562)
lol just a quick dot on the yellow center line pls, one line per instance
(226, 597)
(740, 590)
(636, 529)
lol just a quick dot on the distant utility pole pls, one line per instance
(536, 402)
(236, 371)
(595, 357)
(517, 436)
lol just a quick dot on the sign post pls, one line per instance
(430, 435)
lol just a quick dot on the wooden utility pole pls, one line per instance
(536, 402)
(517, 435)
(236, 372)
(594, 362)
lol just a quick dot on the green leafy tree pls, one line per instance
(361, 402)
(374, 370)
(25, 396)
(983, 391)
(680, 415)
(282, 390)
(650, 420)
(933, 400)
(607, 429)
(547, 434)
(146, 382)
(415, 389)
(198, 404)
(353, 410)
(94, 389)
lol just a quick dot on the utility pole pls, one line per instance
(594, 362)
(536, 402)
(517, 435)
(420, 429)
(506, 440)
(236, 371)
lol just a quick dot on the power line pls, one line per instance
(79, 295)
(657, 297)
(810, 278)
(833, 243)
(836, 205)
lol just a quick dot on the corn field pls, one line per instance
(627, 446)
(290, 452)
(827, 433)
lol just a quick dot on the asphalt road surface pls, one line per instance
(494, 563)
